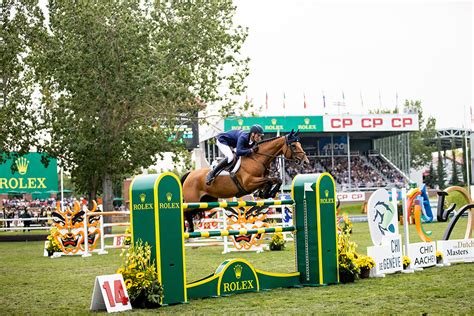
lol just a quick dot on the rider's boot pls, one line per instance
(214, 172)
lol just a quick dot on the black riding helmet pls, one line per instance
(257, 129)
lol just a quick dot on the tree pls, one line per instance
(17, 116)
(430, 180)
(116, 77)
(440, 169)
(454, 176)
(420, 149)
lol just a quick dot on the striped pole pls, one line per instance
(217, 233)
(236, 204)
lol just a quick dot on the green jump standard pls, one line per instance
(157, 218)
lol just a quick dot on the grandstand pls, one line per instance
(362, 152)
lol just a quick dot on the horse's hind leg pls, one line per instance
(189, 218)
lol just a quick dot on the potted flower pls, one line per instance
(439, 257)
(128, 239)
(140, 276)
(344, 224)
(52, 244)
(277, 242)
(365, 263)
(406, 262)
(347, 257)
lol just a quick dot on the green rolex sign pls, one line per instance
(272, 124)
(27, 174)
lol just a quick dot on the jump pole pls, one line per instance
(157, 218)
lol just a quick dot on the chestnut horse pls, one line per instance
(252, 175)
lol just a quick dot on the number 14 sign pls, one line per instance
(110, 293)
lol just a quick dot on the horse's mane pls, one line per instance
(269, 140)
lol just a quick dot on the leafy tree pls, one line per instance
(17, 119)
(117, 77)
(440, 169)
(419, 147)
(430, 180)
(454, 176)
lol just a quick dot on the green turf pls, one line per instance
(32, 284)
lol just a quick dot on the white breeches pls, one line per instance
(226, 151)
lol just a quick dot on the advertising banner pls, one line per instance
(422, 254)
(27, 174)
(457, 250)
(276, 123)
(371, 122)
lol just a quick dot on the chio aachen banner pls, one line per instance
(26, 174)
(328, 123)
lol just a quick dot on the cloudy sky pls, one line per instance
(370, 52)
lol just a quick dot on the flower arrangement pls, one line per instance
(344, 224)
(277, 242)
(128, 239)
(439, 256)
(347, 257)
(53, 244)
(365, 263)
(141, 278)
(406, 262)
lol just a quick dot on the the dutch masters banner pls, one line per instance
(27, 174)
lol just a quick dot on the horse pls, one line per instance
(252, 175)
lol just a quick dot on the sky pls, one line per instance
(361, 54)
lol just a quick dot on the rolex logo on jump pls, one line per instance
(142, 197)
(274, 121)
(22, 165)
(306, 121)
(169, 196)
(326, 192)
(240, 122)
(238, 271)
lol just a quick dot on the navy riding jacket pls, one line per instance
(237, 139)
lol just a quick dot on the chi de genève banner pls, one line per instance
(327, 123)
(28, 175)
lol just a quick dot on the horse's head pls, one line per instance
(293, 149)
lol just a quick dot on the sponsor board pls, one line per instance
(381, 216)
(388, 256)
(371, 122)
(422, 254)
(457, 250)
(351, 196)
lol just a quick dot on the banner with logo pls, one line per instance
(381, 216)
(388, 257)
(351, 197)
(422, 254)
(371, 122)
(458, 250)
(276, 123)
(27, 174)
(338, 146)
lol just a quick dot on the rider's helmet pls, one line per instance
(256, 129)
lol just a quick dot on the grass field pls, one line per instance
(32, 284)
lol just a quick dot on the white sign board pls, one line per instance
(458, 250)
(118, 241)
(110, 293)
(422, 254)
(381, 216)
(370, 122)
(351, 196)
(388, 256)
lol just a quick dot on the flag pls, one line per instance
(361, 99)
(304, 98)
(343, 97)
(284, 100)
(266, 100)
(396, 102)
(324, 100)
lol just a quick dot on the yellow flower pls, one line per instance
(128, 283)
(140, 275)
(132, 266)
(120, 271)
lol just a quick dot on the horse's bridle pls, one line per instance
(288, 145)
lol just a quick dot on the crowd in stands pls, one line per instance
(366, 171)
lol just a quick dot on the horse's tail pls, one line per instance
(183, 178)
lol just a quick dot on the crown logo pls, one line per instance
(274, 121)
(306, 121)
(22, 165)
(240, 121)
(169, 196)
(142, 197)
(326, 192)
(238, 271)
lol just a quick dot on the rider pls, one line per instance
(242, 141)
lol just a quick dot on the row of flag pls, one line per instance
(305, 105)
